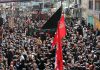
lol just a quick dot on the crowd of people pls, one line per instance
(27, 47)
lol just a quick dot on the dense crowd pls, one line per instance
(27, 47)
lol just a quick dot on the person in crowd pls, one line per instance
(29, 48)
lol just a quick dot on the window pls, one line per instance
(90, 4)
(97, 5)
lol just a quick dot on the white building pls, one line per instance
(94, 8)
(90, 8)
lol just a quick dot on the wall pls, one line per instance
(84, 7)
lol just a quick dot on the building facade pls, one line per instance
(85, 8)
(76, 8)
(94, 8)
(90, 8)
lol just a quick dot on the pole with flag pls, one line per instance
(61, 32)
(57, 21)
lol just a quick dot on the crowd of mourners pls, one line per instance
(27, 47)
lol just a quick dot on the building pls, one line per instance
(91, 9)
(87, 7)
(94, 8)
(84, 8)
(77, 11)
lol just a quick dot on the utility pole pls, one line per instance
(68, 3)
(43, 3)
(62, 4)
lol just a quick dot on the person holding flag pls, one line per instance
(59, 24)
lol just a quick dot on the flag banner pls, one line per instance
(96, 23)
(59, 58)
(55, 40)
(90, 20)
(62, 31)
(53, 21)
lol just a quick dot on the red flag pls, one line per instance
(55, 39)
(59, 58)
(62, 31)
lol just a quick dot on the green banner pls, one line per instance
(90, 20)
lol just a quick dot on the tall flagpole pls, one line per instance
(43, 4)
(61, 3)
(59, 51)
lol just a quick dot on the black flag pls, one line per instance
(53, 21)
